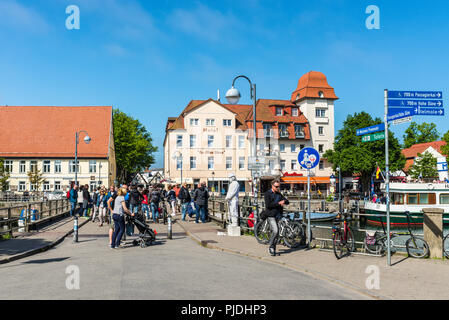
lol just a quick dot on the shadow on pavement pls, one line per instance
(47, 260)
(397, 262)
(19, 245)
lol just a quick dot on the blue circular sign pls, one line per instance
(308, 158)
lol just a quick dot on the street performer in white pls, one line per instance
(233, 198)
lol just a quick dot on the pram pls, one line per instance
(146, 234)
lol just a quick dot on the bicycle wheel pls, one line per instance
(338, 244)
(350, 242)
(446, 246)
(377, 247)
(262, 231)
(417, 247)
(294, 235)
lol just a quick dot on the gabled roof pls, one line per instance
(413, 151)
(38, 132)
(265, 114)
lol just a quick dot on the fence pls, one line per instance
(10, 220)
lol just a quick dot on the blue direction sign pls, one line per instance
(308, 158)
(376, 128)
(398, 113)
(415, 94)
(416, 103)
(429, 111)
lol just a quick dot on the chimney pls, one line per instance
(218, 95)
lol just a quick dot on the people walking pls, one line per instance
(171, 198)
(184, 197)
(118, 216)
(201, 197)
(145, 204)
(73, 199)
(96, 203)
(274, 206)
(155, 198)
(135, 199)
(86, 199)
(102, 206)
(80, 200)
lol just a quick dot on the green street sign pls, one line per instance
(373, 137)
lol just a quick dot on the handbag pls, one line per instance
(129, 229)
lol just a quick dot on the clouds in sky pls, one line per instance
(14, 15)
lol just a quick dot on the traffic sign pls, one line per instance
(416, 103)
(373, 137)
(415, 95)
(398, 113)
(429, 111)
(376, 128)
(308, 158)
(402, 120)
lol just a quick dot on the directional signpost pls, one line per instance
(404, 105)
(308, 158)
(402, 120)
(373, 137)
(376, 128)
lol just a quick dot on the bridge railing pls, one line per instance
(33, 214)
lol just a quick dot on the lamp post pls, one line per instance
(233, 96)
(87, 140)
(339, 189)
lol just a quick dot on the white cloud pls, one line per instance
(18, 16)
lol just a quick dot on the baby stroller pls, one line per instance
(146, 234)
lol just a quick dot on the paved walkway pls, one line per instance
(30, 243)
(408, 278)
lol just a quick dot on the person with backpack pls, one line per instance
(155, 198)
(135, 199)
(201, 197)
(184, 197)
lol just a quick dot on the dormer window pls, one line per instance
(279, 111)
(321, 94)
(297, 96)
(294, 112)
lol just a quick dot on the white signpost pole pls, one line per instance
(308, 209)
(387, 179)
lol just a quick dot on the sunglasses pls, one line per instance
(277, 186)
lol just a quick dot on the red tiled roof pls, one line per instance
(50, 131)
(310, 84)
(413, 151)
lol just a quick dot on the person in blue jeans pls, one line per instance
(201, 196)
(119, 212)
(155, 197)
(73, 199)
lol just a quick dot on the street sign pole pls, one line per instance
(387, 179)
(308, 209)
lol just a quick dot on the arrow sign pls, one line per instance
(416, 103)
(415, 94)
(429, 112)
(376, 128)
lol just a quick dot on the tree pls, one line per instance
(36, 178)
(424, 166)
(4, 176)
(420, 133)
(355, 156)
(445, 149)
(133, 146)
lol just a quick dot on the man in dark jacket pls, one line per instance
(154, 198)
(184, 196)
(73, 199)
(86, 199)
(274, 206)
(200, 197)
(135, 199)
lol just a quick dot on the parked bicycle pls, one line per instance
(446, 246)
(291, 233)
(343, 241)
(416, 246)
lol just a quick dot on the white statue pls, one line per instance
(233, 198)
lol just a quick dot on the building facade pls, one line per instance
(217, 139)
(43, 138)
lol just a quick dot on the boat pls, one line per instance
(411, 197)
(315, 216)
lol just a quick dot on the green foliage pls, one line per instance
(4, 176)
(36, 178)
(425, 165)
(420, 133)
(445, 149)
(355, 156)
(133, 146)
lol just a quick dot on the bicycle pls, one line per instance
(342, 240)
(291, 233)
(446, 246)
(416, 247)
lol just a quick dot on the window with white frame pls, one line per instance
(271, 164)
(210, 122)
(282, 147)
(57, 166)
(92, 166)
(210, 163)
(72, 166)
(8, 164)
(282, 165)
(321, 165)
(279, 111)
(294, 112)
(57, 185)
(293, 148)
(210, 141)
(46, 166)
(22, 166)
(294, 165)
(241, 163)
(241, 142)
(179, 141)
(283, 133)
(228, 141)
(46, 186)
(267, 130)
(33, 187)
(92, 186)
(192, 163)
(320, 113)
(228, 163)
(33, 165)
(192, 141)
(321, 131)
(194, 122)
(22, 186)
(227, 122)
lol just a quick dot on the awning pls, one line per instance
(313, 180)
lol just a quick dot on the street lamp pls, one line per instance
(213, 184)
(87, 140)
(176, 156)
(339, 189)
(233, 96)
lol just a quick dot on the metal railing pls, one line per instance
(33, 214)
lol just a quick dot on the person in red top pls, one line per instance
(145, 208)
(177, 189)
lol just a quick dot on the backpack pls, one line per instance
(68, 194)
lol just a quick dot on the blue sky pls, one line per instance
(150, 58)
